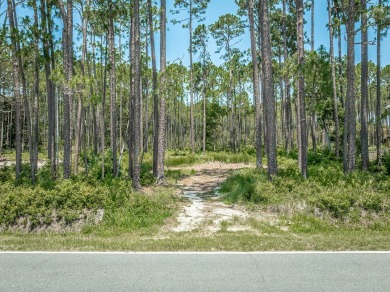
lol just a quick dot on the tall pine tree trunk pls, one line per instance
(67, 17)
(192, 134)
(80, 97)
(364, 88)
(137, 98)
(312, 112)
(16, 88)
(113, 115)
(378, 120)
(256, 88)
(204, 98)
(334, 85)
(287, 105)
(162, 116)
(350, 112)
(154, 86)
(35, 130)
(268, 87)
(301, 117)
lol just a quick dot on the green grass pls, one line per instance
(192, 241)
(185, 157)
(10, 156)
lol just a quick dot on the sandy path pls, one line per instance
(204, 210)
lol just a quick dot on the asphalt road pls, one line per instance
(195, 272)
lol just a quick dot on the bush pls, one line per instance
(326, 193)
(386, 162)
(51, 201)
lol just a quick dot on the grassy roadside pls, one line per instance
(193, 241)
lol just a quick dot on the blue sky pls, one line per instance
(178, 37)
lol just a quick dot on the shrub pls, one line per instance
(326, 193)
(386, 162)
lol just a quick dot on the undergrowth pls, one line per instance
(29, 208)
(326, 200)
(185, 157)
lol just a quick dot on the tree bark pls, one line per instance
(378, 121)
(162, 117)
(16, 88)
(301, 118)
(113, 115)
(268, 86)
(137, 98)
(256, 88)
(287, 105)
(364, 88)
(67, 17)
(154, 86)
(204, 98)
(80, 96)
(334, 84)
(192, 134)
(312, 113)
(103, 122)
(350, 112)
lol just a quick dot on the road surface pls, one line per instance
(195, 271)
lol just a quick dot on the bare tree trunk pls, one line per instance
(16, 88)
(287, 105)
(94, 120)
(146, 84)
(54, 134)
(67, 17)
(103, 126)
(301, 118)
(155, 95)
(137, 98)
(80, 97)
(35, 129)
(340, 66)
(334, 85)
(204, 98)
(378, 120)
(192, 138)
(256, 88)
(364, 89)
(113, 115)
(268, 86)
(162, 117)
(27, 115)
(350, 112)
(312, 112)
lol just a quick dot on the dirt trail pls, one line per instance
(4, 162)
(204, 210)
